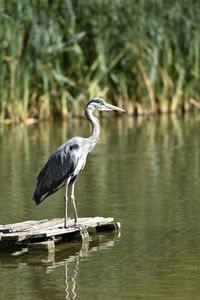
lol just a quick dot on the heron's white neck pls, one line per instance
(95, 127)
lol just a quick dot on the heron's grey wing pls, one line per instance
(58, 168)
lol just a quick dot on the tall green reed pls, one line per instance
(54, 55)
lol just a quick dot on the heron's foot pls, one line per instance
(66, 225)
(76, 222)
(83, 230)
(79, 226)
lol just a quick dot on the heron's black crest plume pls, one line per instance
(68, 161)
(96, 100)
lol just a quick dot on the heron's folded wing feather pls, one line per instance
(58, 168)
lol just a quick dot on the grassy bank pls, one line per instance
(54, 55)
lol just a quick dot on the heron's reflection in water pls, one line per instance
(71, 295)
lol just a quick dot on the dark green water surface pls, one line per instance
(145, 174)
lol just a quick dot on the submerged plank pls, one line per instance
(41, 246)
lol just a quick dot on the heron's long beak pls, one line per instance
(113, 107)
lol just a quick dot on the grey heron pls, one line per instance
(68, 161)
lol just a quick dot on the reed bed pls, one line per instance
(54, 55)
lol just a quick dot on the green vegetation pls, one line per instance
(143, 55)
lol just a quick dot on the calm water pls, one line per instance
(144, 173)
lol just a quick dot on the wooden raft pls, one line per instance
(45, 233)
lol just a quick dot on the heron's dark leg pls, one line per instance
(73, 202)
(66, 202)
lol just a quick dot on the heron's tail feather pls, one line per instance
(43, 191)
(39, 198)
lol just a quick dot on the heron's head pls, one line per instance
(100, 104)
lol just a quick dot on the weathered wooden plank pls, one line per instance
(58, 226)
(19, 231)
(23, 223)
(19, 226)
(14, 236)
(45, 229)
(39, 224)
(86, 222)
(46, 225)
(83, 222)
(99, 221)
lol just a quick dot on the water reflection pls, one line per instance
(73, 294)
(145, 173)
(67, 257)
(148, 147)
